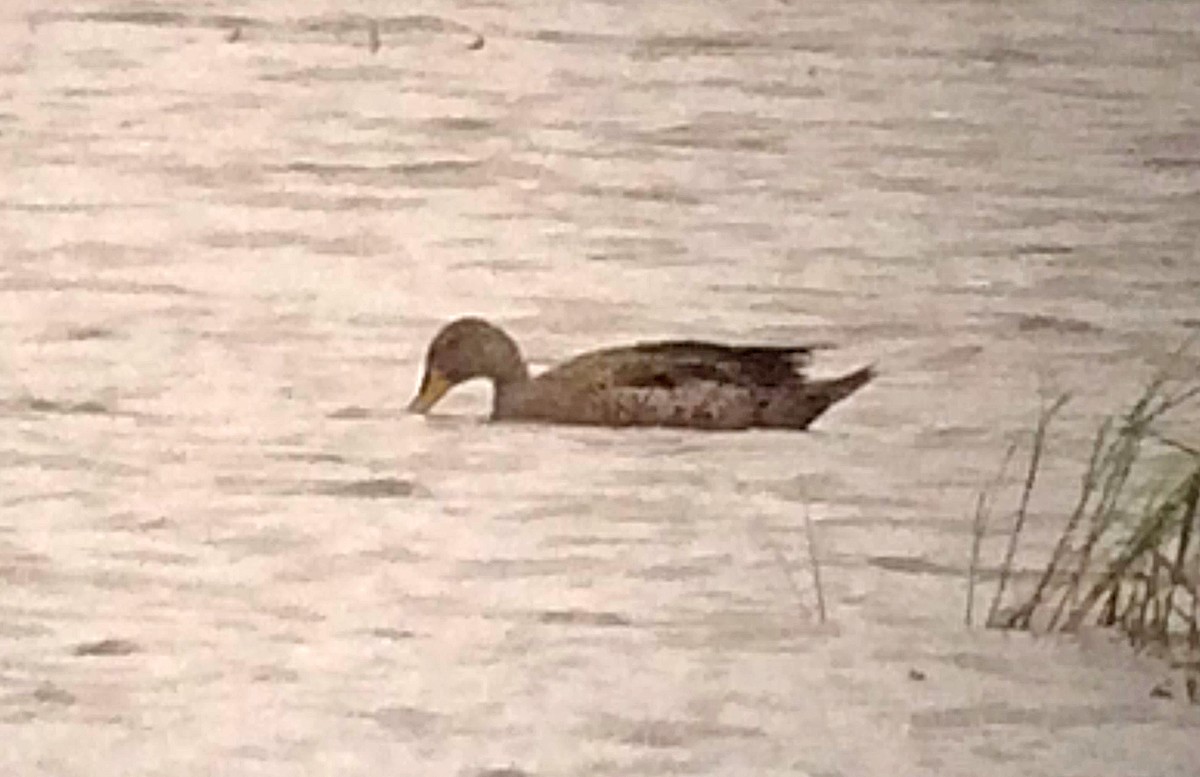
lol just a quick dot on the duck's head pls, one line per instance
(465, 349)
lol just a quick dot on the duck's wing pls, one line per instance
(677, 363)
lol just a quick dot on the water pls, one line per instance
(222, 262)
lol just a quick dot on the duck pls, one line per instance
(670, 383)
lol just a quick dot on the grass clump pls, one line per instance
(1128, 555)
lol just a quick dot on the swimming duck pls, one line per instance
(681, 383)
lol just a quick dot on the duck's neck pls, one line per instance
(501, 361)
(513, 374)
(507, 389)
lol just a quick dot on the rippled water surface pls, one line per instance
(228, 231)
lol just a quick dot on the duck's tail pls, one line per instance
(837, 389)
(800, 407)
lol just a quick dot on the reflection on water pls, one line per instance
(229, 235)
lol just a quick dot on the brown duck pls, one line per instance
(682, 383)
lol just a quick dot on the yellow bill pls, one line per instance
(433, 387)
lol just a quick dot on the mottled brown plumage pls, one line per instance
(681, 383)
